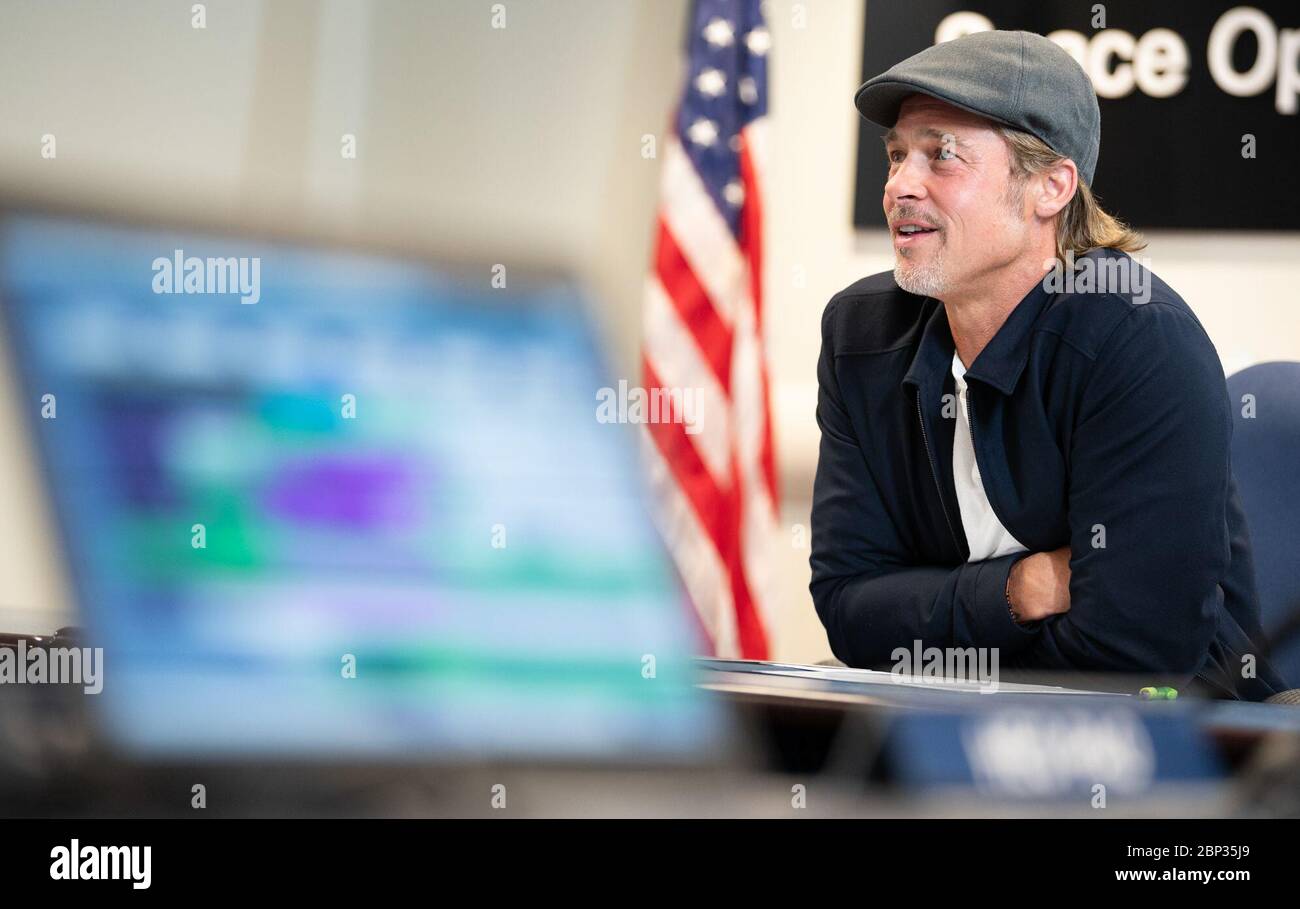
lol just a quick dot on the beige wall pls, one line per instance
(519, 146)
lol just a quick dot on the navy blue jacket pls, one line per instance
(1095, 420)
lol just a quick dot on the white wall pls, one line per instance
(519, 146)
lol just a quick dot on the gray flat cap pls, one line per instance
(1019, 79)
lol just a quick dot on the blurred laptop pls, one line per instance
(359, 512)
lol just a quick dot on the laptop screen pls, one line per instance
(318, 503)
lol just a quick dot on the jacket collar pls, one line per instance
(1001, 361)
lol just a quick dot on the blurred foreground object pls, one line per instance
(317, 504)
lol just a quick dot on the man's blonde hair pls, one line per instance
(1082, 225)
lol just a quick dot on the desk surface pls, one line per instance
(869, 682)
(791, 684)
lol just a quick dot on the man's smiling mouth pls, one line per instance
(910, 233)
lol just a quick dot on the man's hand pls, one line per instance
(1039, 585)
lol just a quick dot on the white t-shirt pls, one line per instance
(985, 534)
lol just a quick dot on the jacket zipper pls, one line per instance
(934, 473)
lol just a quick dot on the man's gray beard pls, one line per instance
(927, 280)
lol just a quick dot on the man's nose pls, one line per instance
(906, 182)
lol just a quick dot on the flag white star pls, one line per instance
(758, 41)
(748, 89)
(711, 82)
(719, 33)
(703, 132)
(734, 193)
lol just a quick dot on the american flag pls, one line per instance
(716, 492)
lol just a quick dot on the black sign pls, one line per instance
(1199, 101)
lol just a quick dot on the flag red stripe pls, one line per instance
(751, 229)
(697, 312)
(749, 627)
(751, 245)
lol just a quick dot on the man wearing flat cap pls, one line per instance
(1010, 458)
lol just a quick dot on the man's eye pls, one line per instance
(895, 157)
(944, 153)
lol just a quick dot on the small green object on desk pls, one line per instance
(1159, 693)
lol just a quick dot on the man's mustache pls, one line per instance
(908, 214)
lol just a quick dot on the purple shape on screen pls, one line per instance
(352, 493)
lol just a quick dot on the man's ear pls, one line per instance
(1056, 187)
